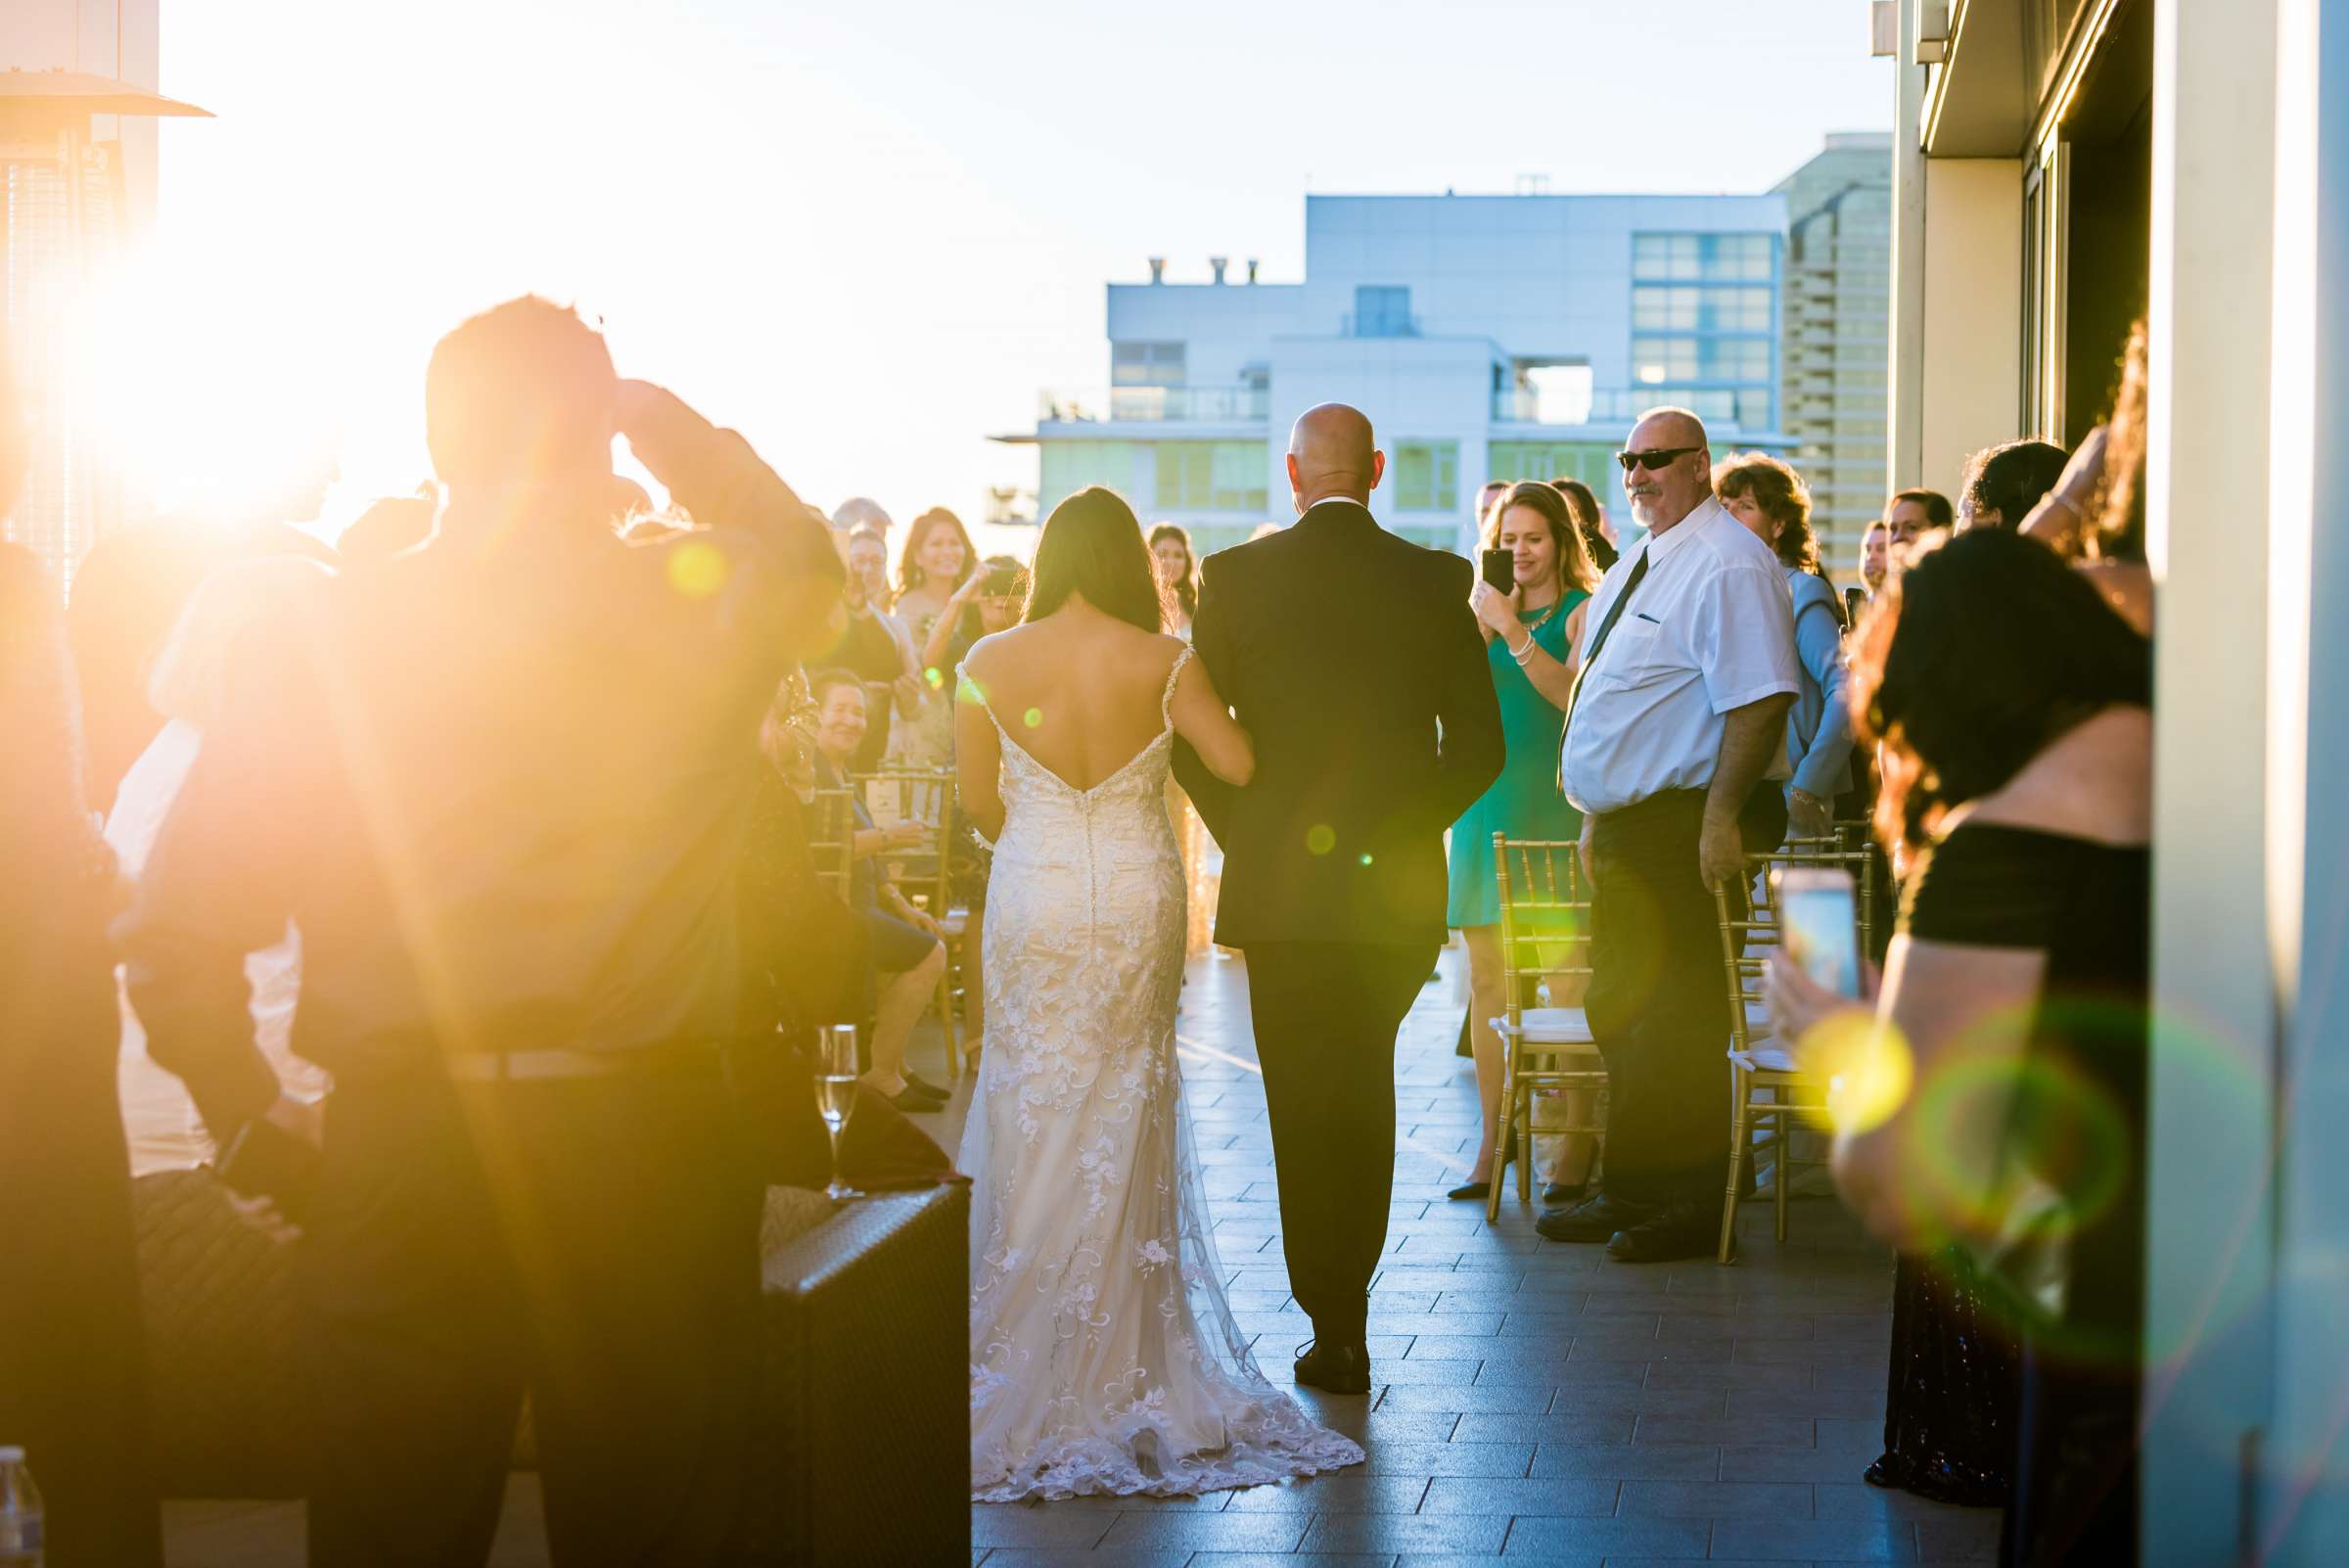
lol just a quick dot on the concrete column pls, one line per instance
(1903, 410)
(1970, 384)
(2211, 1255)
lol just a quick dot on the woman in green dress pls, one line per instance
(1531, 637)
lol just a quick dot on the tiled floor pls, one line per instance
(1537, 1404)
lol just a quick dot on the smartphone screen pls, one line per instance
(1815, 913)
(1501, 569)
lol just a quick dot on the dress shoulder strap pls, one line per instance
(1166, 702)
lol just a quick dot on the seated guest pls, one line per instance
(187, 686)
(1530, 637)
(902, 942)
(1775, 505)
(2003, 482)
(2014, 710)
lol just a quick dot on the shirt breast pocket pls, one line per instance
(1637, 653)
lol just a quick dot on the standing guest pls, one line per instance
(2003, 482)
(2095, 515)
(859, 513)
(1773, 503)
(937, 577)
(1912, 515)
(1678, 716)
(188, 687)
(1178, 569)
(1530, 637)
(1875, 559)
(906, 954)
(1487, 495)
(2014, 706)
(72, 1346)
(1590, 520)
(498, 783)
(874, 646)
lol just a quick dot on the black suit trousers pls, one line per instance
(594, 1240)
(1658, 1002)
(1327, 1015)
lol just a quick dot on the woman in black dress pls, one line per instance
(2015, 711)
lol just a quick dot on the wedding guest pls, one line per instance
(2013, 708)
(1178, 569)
(937, 577)
(73, 1348)
(859, 513)
(1875, 560)
(1530, 637)
(2095, 515)
(499, 784)
(1679, 719)
(1591, 519)
(188, 687)
(874, 647)
(1912, 515)
(1487, 495)
(2003, 482)
(906, 955)
(1775, 504)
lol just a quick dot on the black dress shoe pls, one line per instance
(914, 1080)
(1593, 1220)
(914, 1102)
(1335, 1368)
(1478, 1191)
(1557, 1193)
(1680, 1228)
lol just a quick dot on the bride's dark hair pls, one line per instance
(1092, 545)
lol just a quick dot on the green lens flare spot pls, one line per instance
(935, 677)
(1321, 839)
(1032, 717)
(1365, 860)
(697, 569)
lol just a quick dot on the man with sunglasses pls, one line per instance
(1677, 715)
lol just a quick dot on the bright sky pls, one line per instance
(866, 232)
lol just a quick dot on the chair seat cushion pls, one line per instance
(1765, 1056)
(1551, 1026)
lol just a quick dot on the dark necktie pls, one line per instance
(1600, 643)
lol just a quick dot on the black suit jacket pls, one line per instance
(1351, 658)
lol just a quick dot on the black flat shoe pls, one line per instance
(1559, 1193)
(1594, 1219)
(915, 1080)
(1477, 1190)
(913, 1102)
(1679, 1230)
(1335, 1368)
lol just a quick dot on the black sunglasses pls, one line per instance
(1655, 457)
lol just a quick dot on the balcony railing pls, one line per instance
(1178, 404)
(1613, 404)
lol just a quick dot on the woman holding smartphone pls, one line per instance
(1531, 629)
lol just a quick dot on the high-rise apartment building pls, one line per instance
(1836, 344)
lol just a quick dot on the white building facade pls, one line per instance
(1502, 337)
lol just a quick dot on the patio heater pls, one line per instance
(63, 221)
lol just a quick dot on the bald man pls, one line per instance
(1350, 657)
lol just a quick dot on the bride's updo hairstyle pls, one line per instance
(1092, 545)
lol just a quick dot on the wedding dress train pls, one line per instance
(1104, 1358)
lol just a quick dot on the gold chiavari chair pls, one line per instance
(924, 873)
(1768, 1091)
(1544, 939)
(832, 838)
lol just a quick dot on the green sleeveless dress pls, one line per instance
(1524, 801)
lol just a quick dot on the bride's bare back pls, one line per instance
(1079, 692)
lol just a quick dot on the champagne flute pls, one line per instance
(836, 1095)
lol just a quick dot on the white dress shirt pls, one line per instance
(1710, 629)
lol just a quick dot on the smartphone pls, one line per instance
(1500, 569)
(265, 1161)
(1815, 915)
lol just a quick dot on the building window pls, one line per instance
(1704, 258)
(1067, 467)
(1592, 462)
(1145, 364)
(1657, 360)
(1212, 477)
(1427, 475)
(1692, 308)
(1382, 311)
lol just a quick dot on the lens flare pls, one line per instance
(697, 569)
(1869, 1072)
(1321, 839)
(1032, 717)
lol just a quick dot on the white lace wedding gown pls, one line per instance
(1103, 1354)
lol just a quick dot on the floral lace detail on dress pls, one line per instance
(1104, 1358)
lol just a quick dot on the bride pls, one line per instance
(1103, 1355)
